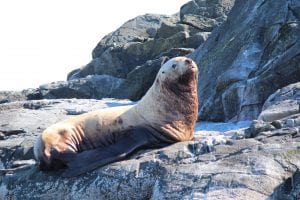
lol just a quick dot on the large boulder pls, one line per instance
(282, 103)
(247, 58)
(263, 165)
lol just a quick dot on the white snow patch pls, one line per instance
(218, 132)
(110, 102)
(219, 127)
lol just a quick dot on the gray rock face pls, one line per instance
(205, 15)
(139, 29)
(282, 103)
(139, 80)
(263, 166)
(250, 56)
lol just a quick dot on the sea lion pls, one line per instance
(165, 115)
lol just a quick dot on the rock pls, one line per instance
(92, 86)
(263, 167)
(169, 173)
(138, 81)
(169, 28)
(23, 162)
(277, 124)
(282, 103)
(289, 189)
(120, 60)
(72, 74)
(175, 52)
(96, 87)
(205, 15)
(10, 132)
(75, 111)
(247, 58)
(2, 136)
(291, 121)
(286, 126)
(257, 127)
(139, 29)
(10, 96)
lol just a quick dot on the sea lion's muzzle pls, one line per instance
(190, 66)
(188, 61)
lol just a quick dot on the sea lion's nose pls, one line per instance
(188, 61)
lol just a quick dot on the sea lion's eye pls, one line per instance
(174, 66)
(163, 72)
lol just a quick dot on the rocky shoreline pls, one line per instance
(249, 69)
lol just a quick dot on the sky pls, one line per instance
(42, 40)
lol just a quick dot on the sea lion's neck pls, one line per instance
(173, 107)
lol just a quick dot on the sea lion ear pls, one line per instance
(164, 60)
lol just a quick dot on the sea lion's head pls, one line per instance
(178, 74)
(178, 70)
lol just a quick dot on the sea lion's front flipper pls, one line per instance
(92, 159)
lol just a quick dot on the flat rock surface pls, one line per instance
(265, 166)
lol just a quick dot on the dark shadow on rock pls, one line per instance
(289, 189)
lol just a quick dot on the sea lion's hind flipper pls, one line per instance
(58, 161)
(92, 159)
